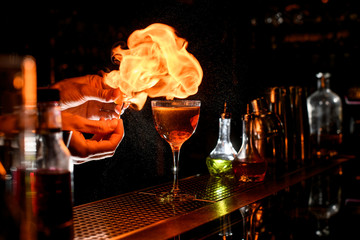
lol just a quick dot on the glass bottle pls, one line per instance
(268, 132)
(219, 162)
(53, 175)
(248, 165)
(23, 165)
(325, 119)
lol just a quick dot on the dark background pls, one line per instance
(243, 48)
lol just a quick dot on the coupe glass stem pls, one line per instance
(176, 155)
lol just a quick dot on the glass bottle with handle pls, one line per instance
(268, 135)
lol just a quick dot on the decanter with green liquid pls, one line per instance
(219, 162)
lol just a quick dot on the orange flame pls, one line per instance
(156, 64)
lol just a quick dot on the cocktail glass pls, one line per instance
(175, 121)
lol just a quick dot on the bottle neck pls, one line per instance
(49, 135)
(245, 129)
(323, 83)
(224, 129)
(248, 150)
(52, 153)
(49, 118)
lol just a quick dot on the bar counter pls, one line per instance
(139, 215)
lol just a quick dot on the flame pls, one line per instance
(156, 64)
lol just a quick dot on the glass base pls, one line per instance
(170, 197)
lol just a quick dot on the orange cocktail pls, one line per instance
(175, 121)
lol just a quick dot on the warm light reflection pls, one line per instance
(30, 146)
(18, 82)
(258, 214)
(30, 81)
(222, 209)
(2, 170)
(220, 191)
(272, 95)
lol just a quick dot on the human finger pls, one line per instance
(108, 115)
(101, 94)
(115, 95)
(80, 151)
(78, 123)
(99, 127)
(98, 137)
(109, 142)
(95, 149)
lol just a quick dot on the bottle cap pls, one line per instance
(48, 95)
(325, 75)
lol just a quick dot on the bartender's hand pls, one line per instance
(88, 107)
(88, 96)
(107, 135)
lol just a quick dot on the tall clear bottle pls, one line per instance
(53, 175)
(219, 162)
(325, 119)
(23, 166)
